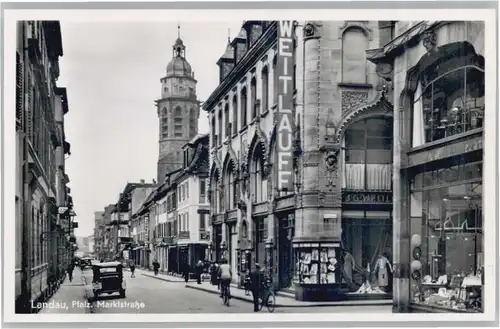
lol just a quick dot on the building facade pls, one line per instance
(181, 234)
(43, 204)
(301, 155)
(437, 71)
(178, 111)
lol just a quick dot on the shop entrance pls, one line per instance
(286, 232)
(366, 240)
(259, 240)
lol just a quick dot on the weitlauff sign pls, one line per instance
(284, 80)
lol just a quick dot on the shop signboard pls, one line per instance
(284, 80)
(447, 151)
(366, 197)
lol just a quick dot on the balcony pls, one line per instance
(232, 215)
(259, 209)
(286, 202)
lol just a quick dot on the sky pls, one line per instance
(112, 73)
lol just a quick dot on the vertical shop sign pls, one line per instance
(284, 81)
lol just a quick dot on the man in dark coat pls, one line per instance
(256, 283)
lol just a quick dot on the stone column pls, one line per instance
(401, 217)
(306, 207)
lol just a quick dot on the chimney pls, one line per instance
(142, 181)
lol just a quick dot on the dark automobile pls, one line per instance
(108, 279)
(85, 262)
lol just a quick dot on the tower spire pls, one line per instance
(178, 30)
(228, 35)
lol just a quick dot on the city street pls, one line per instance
(150, 295)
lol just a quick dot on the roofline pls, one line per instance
(267, 39)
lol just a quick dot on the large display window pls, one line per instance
(317, 263)
(447, 237)
(449, 99)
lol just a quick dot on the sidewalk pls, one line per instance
(283, 299)
(70, 298)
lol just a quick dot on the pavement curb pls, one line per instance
(163, 279)
(250, 300)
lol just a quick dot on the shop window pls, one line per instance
(368, 155)
(447, 220)
(449, 99)
(235, 114)
(354, 44)
(317, 264)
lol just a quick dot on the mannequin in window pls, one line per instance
(382, 268)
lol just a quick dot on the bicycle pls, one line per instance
(225, 294)
(269, 298)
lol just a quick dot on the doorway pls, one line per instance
(286, 232)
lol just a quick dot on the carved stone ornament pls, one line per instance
(353, 99)
(209, 195)
(266, 169)
(331, 160)
(242, 205)
(310, 31)
(429, 40)
(321, 199)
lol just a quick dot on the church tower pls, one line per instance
(178, 111)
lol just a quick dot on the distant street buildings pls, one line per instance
(44, 207)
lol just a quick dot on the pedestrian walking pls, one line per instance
(156, 266)
(247, 283)
(131, 265)
(199, 270)
(256, 283)
(185, 273)
(71, 267)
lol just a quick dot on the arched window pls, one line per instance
(265, 89)
(243, 101)
(213, 129)
(257, 179)
(253, 97)
(178, 122)
(235, 114)
(219, 130)
(449, 98)
(214, 193)
(192, 122)
(368, 154)
(227, 122)
(229, 185)
(354, 45)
